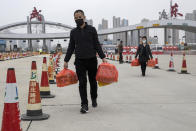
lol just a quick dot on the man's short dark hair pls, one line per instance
(77, 11)
(144, 37)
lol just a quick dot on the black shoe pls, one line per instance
(143, 73)
(94, 103)
(84, 109)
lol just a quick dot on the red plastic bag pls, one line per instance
(66, 77)
(151, 63)
(135, 62)
(107, 73)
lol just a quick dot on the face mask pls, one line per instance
(79, 22)
(144, 41)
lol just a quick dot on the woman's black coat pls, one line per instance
(143, 58)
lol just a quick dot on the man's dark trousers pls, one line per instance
(84, 66)
(120, 58)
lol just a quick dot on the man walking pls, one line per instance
(84, 41)
(120, 51)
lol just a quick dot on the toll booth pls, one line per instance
(59, 48)
(2, 45)
(15, 48)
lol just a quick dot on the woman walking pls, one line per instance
(144, 53)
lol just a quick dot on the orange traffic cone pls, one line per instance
(117, 57)
(130, 59)
(127, 58)
(156, 63)
(184, 65)
(110, 56)
(45, 88)
(54, 69)
(11, 113)
(57, 66)
(171, 63)
(51, 71)
(34, 107)
(106, 55)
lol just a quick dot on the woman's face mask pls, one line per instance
(144, 41)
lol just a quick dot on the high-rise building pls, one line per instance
(134, 38)
(89, 22)
(117, 22)
(102, 26)
(136, 34)
(123, 36)
(190, 37)
(144, 32)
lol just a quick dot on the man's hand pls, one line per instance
(65, 65)
(104, 60)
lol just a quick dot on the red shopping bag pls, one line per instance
(66, 77)
(151, 63)
(135, 62)
(107, 73)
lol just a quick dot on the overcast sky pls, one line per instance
(62, 10)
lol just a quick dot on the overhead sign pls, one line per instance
(140, 27)
(156, 25)
(2, 42)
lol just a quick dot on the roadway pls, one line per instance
(161, 101)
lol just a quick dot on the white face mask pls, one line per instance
(144, 41)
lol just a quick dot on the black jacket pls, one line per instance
(144, 57)
(85, 43)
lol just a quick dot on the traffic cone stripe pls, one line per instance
(34, 106)
(33, 92)
(44, 67)
(11, 95)
(183, 69)
(46, 88)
